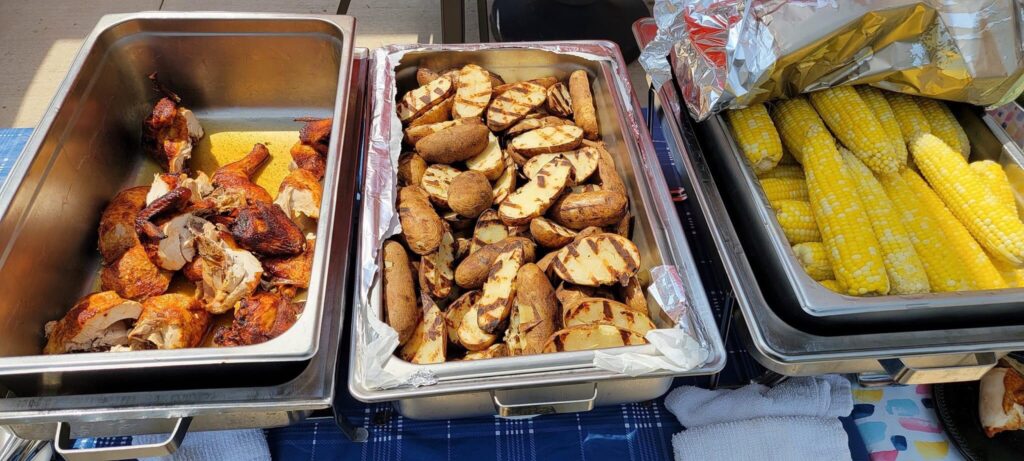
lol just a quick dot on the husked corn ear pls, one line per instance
(902, 265)
(908, 114)
(797, 221)
(945, 271)
(831, 285)
(1013, 277)
(853, 122)
(984, 275)
(880, 107)
(846, 232)
(814, 258)
(992, 174)
(783, 171)
(944, 125)
(756, 136)
(784, 189)
(998, 230)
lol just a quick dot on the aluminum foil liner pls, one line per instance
(729, 54)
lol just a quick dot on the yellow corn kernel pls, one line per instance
(880, 107)
(993, 175)
(1013, 277)
(756, 136)
(783, 171)
(944, 125)
(797, 221)
(908, 114)
(945, 271)
(831, 285)
(814, 259)
(902, 265)
(853, 122)
(984, 275)
(776, 189)
(998, 230)
(845, 229)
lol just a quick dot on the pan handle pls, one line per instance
(532, 408)
(63, 444)
(902, 373)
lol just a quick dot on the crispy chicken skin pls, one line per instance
(134, 276)
(170, 321)
(96, 323)
(193, 270)
(169, 133)
(117, 225)
(236, 177)
(316, 133)
(261, 317)
(172, 201)
(265, 229)
(299, 195)
(291, 271)
(306, 158)
(228, 272)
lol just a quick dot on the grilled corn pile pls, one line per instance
(879, 195)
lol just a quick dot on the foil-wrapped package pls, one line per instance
(729, 54)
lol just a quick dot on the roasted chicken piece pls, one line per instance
(228, 272)
(290, 272)
(306, 158)
(177, 248)
(265, 229)
(97, 322)
(316, 133)
(134, 276)
(299, 195)
(193, 270)
(117, 224)
(170, 321)
(172, 201)
(235, 178)
(170, 131)
(200, 186)
(261, 317)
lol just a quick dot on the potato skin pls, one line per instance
(470, 194)
(584, 209)
(454, 144)
(473, 270)
(399, 292)
(547, 236)
(421, 226)
(583, 104)
(534, 292)
(410, 168)
(425, 76)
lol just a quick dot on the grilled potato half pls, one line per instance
(473, 271)
(489, 229)
(534, 198)
(490, 162)
(421, 226)
(513, 104)
(457, 311)
(429, 343)
(602, 259)
(548, 140)
(471, 336)
(600, 310)
(437, 178)
(534, 312)
(499, 290)
(454, 144)
(593, 336)
(419, 100)
(473, 92)
(550, 234)
(400, 308)
(589, 209)
(437, 274)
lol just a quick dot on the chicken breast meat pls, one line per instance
(170, 131)
(178, 247)
(200, 186)
(299, 196)
(117, 224)
(97, 322)
(170, 321)
(229, 273)
(260, 318)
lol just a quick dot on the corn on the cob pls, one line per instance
(846, 232)
(993, 175)
(788, 158)
(756, 136)
(853, 122)
(831, 285)
(814, 259)
(984, 275)
(945, 271)
(908, 114)
(944, 125)
(998, 230)
(783, 171)
(776, 189)
(797, 221)
(1013, 277)
(903, 266)
(880, 107)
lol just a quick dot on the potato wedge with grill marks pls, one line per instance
(512, 105)
(439, 113)
(453, 144)
(534, 312)
(600, 310)
(437, 274)
(411, 168)
(548, 140)
(489, 229)
(550, 234)
(421, 226)
(415, 133)
(589, 209)
(493, 352)
(436, 180)
(456, 311)
(472, 272)
(559, 101)
(499, 290)
(505, 184)
(569, 294)
(490, 162)
(419, 100)
(602, 259)
(429, 343)
(534, 198)
(473, 92)
(632, 295)
(584, 162)
(544, 82)
(533, 123)
(609, 176)
(593, 336)
(534, 164)
(471, 336)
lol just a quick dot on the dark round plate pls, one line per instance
(956, 404)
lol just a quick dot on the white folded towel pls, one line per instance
(785, 438)
(240, 445)
(824, 396)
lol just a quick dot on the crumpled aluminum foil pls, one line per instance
(729, 54)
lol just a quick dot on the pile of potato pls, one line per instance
(515, 223)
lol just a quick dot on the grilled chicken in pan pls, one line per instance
(290, 272)
(117, 225)
(236, 178)
(261, 317)
(299, 195)
(316, 133)
(171, 202)
(200, 186)
(170, 131)
(177, 247)
(134, 275)
(306, 158)
(229, 273)
(97, 322)
(170, 321)
(265, 229)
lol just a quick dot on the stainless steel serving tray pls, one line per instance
(467, 388)
(801, 296)
(256, 68)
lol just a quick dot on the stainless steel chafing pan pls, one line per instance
(262, 69)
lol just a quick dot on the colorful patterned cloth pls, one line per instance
(899, 423)
(1012, 120)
